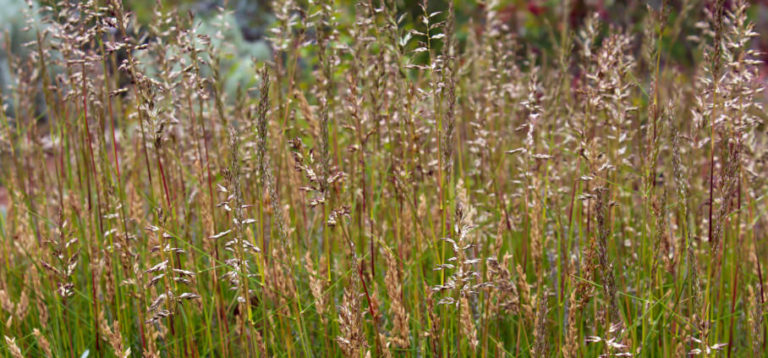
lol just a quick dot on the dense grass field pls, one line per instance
(389, 184)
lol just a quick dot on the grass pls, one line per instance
(389, 186)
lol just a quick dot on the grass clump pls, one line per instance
(388, 185)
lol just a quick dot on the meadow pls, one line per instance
(386, 184)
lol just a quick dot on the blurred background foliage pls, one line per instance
(240, 28)
(536, 23)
